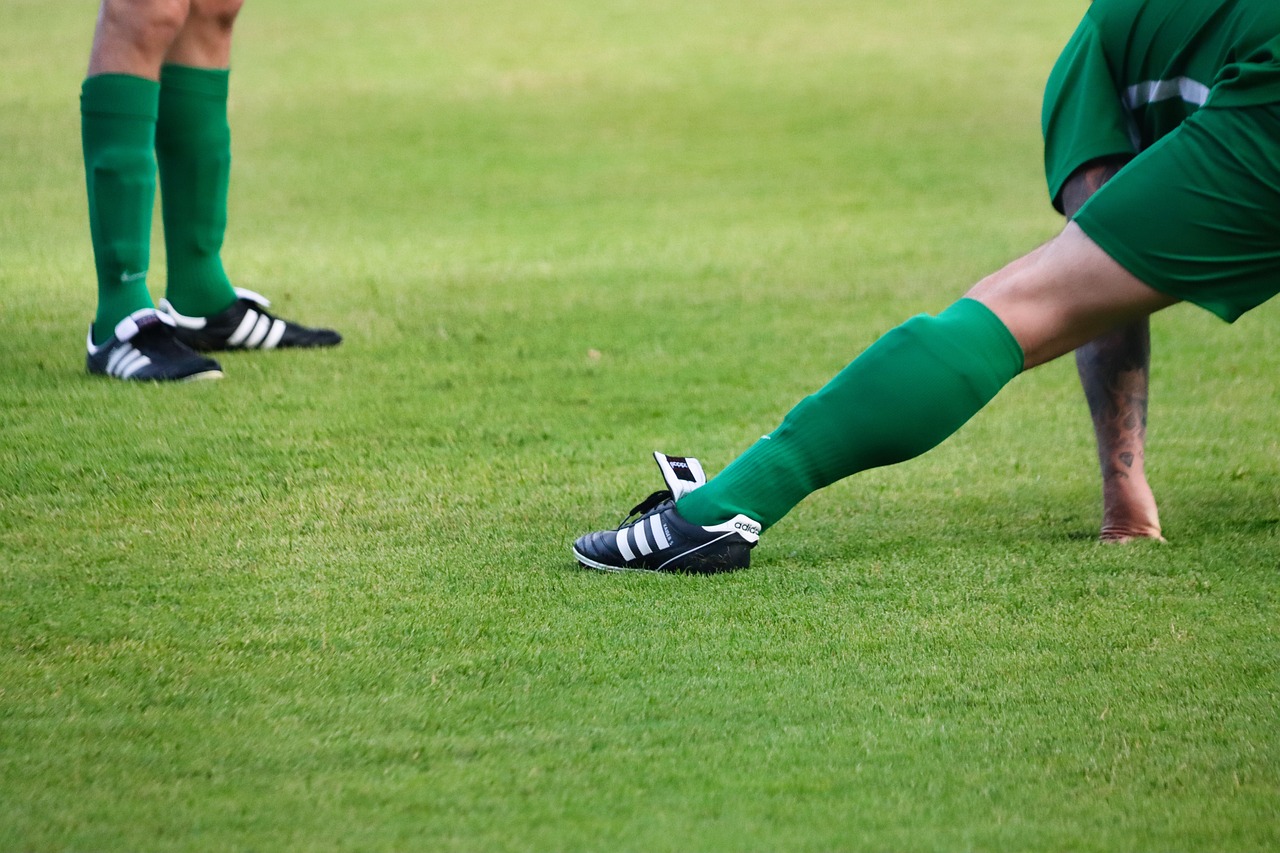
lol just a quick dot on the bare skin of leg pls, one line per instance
(1114, 371)
(205, 39)
(136, 37)
(1065, 294)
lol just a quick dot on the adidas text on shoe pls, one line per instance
(659, 539)
(143, 347)
(246, 325)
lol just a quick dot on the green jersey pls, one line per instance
(1136, 69)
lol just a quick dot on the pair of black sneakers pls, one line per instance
(163, 345)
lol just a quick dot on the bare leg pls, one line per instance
(921, 381)
(1065, 294)
(1114, 372)
(133, 36)
(205, 39)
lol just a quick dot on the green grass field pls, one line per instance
(328, 602)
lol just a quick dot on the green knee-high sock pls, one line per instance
(907, 392)
(193, 148)
(117, 133)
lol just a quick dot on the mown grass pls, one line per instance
(328, 604)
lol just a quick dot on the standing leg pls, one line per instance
(193, 147)
(118, 106)
(1114, 372)
(193, 150)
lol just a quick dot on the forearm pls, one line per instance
(1115, 375)
(1114, 372)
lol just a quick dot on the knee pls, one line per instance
(147, 23)
(219, 13)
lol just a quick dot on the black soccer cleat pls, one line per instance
(246, 325)
(144, 347)
(660, 540)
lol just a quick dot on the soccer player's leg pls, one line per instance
(923, 380)
(119, 105)
(1194, 218)
(193, 149)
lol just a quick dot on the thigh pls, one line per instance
(205, 40)
(1064, 294)
(132, 36)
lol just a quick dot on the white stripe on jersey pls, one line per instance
(1151, 91)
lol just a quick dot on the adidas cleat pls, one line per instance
(655, 538)
(144, 347)
(246, 325)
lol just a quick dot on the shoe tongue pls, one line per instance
(258, 298)
(683, 474)
(140, 321)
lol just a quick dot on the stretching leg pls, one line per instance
(921, 381)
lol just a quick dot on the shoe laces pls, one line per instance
(647, 507)
(160, 340)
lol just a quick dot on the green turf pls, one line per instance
(328, 603)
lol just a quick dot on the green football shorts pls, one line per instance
(1197, 215)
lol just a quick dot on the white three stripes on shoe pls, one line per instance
(653, 526)
(126, 361)
(257, 331)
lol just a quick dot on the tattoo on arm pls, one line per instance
(1114, 371)
(1087, 180)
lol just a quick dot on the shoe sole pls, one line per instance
(203, 376)
(588, 563)
(603, 567)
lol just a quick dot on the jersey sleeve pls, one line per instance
(1083, 117)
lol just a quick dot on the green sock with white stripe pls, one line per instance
(910, 390)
